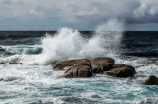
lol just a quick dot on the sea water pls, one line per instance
(27, 76)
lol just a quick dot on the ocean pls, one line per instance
(26, 75)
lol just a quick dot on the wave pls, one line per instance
(70, 44)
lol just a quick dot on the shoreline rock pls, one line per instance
(83, 68)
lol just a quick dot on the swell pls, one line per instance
(140, 43)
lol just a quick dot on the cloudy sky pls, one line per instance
(141, 15)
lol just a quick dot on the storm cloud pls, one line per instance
(81, 11)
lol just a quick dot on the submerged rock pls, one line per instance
(101, 64)
(8, 79)
(8, 62)
(78, 71)
(63, 64)
(121, 70)
(152, 80)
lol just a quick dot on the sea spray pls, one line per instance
(112, 24)
(68, 43)
(112, 32)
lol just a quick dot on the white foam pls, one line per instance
(68, 43)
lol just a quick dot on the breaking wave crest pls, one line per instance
(70, 44)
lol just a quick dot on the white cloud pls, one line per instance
(19, 9)
(142, 10)
(147, 9)
(91, 11)
(96, 11)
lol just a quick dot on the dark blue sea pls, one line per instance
(26, 75)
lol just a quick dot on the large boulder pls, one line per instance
(63, 64)
(78, 71)
(152, 80)
(101, 64)
(121, 70)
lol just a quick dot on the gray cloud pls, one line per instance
(90, 11)
(146, 12)
(147, 9)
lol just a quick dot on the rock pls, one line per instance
(78, 71)
(152, 80)
(101, 64)
(8, 79)
(63, 64)
(7, 62)
(121, 70)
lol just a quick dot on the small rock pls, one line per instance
(8, 79)
(152, 80)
